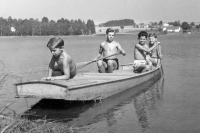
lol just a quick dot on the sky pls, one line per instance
(101, 11)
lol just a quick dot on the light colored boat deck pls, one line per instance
(94, 77)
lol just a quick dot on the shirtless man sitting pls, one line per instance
(107, 48)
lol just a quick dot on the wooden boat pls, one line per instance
(85, 113)
(88, 85)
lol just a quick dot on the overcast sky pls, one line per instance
(103, 10)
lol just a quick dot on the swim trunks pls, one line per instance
(138, 63)
(115, 59)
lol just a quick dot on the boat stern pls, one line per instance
(41, 90)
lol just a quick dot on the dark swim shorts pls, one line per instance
(115, 59)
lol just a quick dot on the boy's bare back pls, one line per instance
(64, 60)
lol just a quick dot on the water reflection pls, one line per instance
(148, 103)
(146, 100)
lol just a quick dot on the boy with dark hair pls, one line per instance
(107, 48)
(61, 63)
(141, 62)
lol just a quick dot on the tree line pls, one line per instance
(34, 27)
(123, 22)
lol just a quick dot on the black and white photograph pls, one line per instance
(99, 66)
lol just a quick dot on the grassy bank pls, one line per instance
(10, 122)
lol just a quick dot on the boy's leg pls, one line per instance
(102, 66)
(154, 61)
(149, 62)
(146, 68)
(139, 69)
(112, 65)
(142, 68)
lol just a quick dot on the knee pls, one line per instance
(100, 63)
(110, 63)
(147, 67)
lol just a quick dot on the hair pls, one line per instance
(110, 30)
(55, 42)
(153, 35)
(143, 33)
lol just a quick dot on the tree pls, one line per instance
(124, 22)
(45, 20)
(192, 24)
(52, 28)
(160, 23)
(185, 26)
(26, 28)
(116, 30)
(90, 27)
(122, 27)
(176, 23)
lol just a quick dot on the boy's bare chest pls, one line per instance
(109, 46)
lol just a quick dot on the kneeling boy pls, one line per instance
(61, 63)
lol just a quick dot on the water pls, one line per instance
(169, 105)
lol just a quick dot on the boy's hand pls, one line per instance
(95, 59)
(124, 54)
(48, 78)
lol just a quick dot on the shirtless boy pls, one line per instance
(141, 62)
(107, 48)
(61, 63)
(156, 52)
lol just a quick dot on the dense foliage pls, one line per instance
(185, 26)
(34, 27)
(124, 22)
(176, 23)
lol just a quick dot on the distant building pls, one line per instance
(165, 24)
(172, 29)
(12, 29)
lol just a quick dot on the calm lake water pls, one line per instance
(171, 105)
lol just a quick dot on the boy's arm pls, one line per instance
(120, 49)
(100, 51)
(66, 70)
(51, 66)
(145, 49)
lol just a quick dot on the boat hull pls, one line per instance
(87, 86)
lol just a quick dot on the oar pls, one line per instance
(83, 64)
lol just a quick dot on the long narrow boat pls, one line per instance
(88, 85)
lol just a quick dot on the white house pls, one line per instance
(172, 28)
(165, 24)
